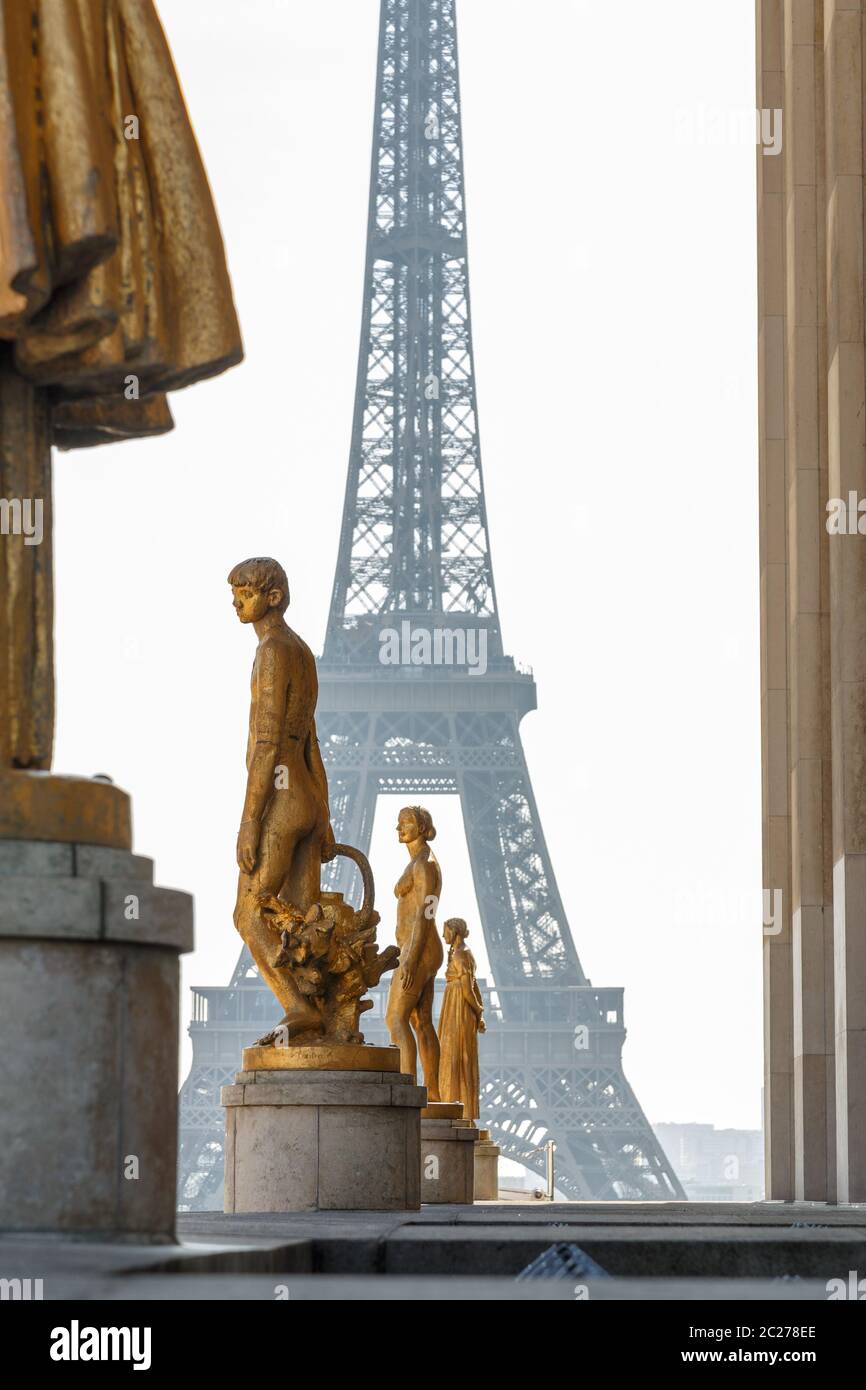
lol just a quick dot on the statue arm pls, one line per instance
(315, 763)
(477, 992)
(470, 993)
(423, 880)
(469, 987)
(313, 759)
(271, 684)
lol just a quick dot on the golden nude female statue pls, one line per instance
(460, 1022)
(410, 999)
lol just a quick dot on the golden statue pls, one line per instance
(317, 955)
(113, 290)
(460, 1022)
(327, 961)
(410, 998)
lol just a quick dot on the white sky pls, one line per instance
(612, 244)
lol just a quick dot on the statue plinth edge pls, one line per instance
(322, 1057)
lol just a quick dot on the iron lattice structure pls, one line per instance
(414, 559)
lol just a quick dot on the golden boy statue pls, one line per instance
(285, 829)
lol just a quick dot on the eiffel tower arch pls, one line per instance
(417, 696)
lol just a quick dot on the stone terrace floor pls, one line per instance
(676, 1251)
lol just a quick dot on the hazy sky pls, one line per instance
(611, 206)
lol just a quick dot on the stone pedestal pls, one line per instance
(486, 1168)
(448, 1145)
(319, 1138)
(89, 1015)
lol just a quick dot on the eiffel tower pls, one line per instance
(417, 695)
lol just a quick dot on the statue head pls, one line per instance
(455, 930)
(259, 585)
(414, 823)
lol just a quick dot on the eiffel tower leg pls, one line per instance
(605, 1147)
(522, 916)
(200, 1164)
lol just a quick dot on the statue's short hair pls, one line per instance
(425, 822)
(261, 573)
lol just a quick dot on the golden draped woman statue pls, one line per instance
(113, 289)
(460, 1022)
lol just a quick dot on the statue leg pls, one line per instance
(303, 883)
(276, 852)
(428, 1041)
(262, 942)
(400, 1005)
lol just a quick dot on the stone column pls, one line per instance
(808, 602)
(813, 596)
(778, 991)
(843, 69)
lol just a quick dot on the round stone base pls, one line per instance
(322, 1141)
(448, 1160)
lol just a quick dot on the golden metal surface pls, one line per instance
(111, 257)
(72, 810)
(26, 579)
(461, 1019)
(327, 961)
(315, 952)
(409, 1013)
(113, 286)
(322, 1057)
